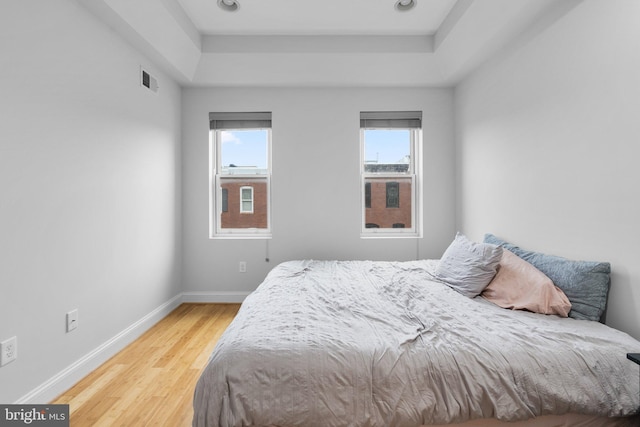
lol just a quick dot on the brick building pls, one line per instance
(244, 203)
(388, 203)
(388, 198)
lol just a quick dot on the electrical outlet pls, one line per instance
(242, 266)
(8, 350)
(72, 320)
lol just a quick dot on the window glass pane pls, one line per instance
(225, 200)
(387, 150)
(393, 195)
(246, 194)
(367, 195)
(244, 151)
(390, 203)
(250, 211)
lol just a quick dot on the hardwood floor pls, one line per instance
(151, 381)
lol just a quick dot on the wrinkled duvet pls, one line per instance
(360, 343)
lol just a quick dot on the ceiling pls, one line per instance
(323, 42)
(313, 17)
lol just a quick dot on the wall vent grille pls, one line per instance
(149, 81)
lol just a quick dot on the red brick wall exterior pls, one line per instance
(385, 217)
(233, 218)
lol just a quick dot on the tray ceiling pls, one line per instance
(324, 42)
(318, 17)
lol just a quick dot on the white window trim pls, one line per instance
(415, 173)
(215, 193)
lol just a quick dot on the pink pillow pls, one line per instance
(520, 286)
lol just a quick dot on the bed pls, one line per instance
(364, 343)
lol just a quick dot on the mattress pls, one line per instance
(362, 343)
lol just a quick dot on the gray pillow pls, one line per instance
(585, 283)
(468, 267)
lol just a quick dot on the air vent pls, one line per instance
(149, 81)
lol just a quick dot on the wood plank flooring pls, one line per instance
(151, 381)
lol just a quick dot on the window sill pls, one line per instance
(390, 236)
(240, 236)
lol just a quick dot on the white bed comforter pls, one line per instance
(359, 343)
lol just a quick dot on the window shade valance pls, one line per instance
(249, 120)
(391, 119)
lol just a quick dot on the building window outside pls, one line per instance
(393, 194)
(367, 195)
(240, 165)
(225, 200)
(246, 199)
(391, 171)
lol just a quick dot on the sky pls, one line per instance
(249, 147)
(245, 148)
(386, 146)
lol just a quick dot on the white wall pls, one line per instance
(547, 143)
(89, 185)
(315, 185)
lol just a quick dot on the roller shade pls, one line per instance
(252, 120)
(391, 119)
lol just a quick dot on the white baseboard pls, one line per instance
(213, 297)
(66, 378)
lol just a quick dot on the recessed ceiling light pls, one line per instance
(229, 5)
(404, 5)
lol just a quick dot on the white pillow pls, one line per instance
(468, 267)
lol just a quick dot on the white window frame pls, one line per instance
(215, 189)
(414, 173)
(242, 200)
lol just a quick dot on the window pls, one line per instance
(391, 173)
(393, 194)
(240, 169)
(246, 200)
(367, 195)
(225, 200)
